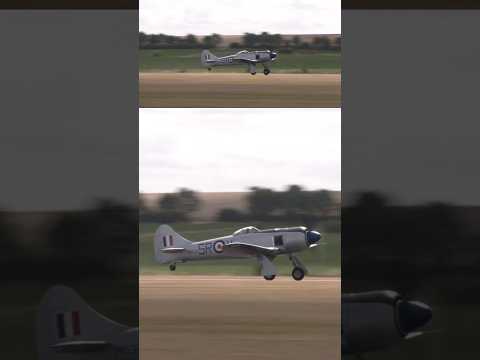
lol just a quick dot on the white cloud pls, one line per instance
(234, 17)
(232, 149)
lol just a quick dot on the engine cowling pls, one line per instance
(379, 319)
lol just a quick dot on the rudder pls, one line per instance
(167, 238)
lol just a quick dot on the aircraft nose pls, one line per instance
(313, 237)
(412, 315)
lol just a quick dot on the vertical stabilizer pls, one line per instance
(67, 327)
(207, 58)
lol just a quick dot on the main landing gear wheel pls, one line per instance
(298, 273)
(266, 71)
(269, 277)
(172, 267)
(253, 73)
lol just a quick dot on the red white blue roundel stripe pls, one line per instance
(219, 246)
(68, 324)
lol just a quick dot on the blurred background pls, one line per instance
(68, 207)
(410, 169)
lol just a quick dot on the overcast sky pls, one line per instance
(235, 17)
(233, 149)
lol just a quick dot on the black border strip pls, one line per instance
(410, 4)
(69, 5)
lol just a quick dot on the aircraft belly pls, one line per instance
(230, 63)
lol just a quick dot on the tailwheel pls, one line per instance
(269, 277)
(298, 273)
(266, 71)
(172, 267)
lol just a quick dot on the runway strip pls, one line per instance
(239, 90)
(224, 317)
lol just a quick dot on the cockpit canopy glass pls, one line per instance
(246, 230)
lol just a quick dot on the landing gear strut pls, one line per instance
(299, 270)
(172, 267)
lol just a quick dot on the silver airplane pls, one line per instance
(244, 57)
(249, 242)
(377, 320)
(67, 328)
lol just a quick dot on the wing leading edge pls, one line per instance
(271, 250)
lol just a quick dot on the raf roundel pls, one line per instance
(218, 246)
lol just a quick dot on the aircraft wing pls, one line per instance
(80, 346)
(255, 248)
(172, 250)
(248, 61)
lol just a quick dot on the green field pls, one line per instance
(188, 60)
(323, 260)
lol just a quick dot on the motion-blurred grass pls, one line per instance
(188, 60)
(323, 260)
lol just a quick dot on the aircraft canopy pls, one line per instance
(246, 230)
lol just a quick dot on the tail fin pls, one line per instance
(206, 57)
(166, 242)
(66, 324)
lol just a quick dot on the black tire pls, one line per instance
(253, 73)
(172, 267)
(266, 71)
(269, 277)
(298, 273)
(209, 69)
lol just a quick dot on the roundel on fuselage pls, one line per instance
(218, 246)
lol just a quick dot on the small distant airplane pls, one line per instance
(244, 57)
(66, 326)
(249, 242)
(377, 320)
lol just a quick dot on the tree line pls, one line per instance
(413, 248)
(101, 241)
(263, 40)
(264, 204)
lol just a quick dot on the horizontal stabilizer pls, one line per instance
(172, 250)
(80, 346)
